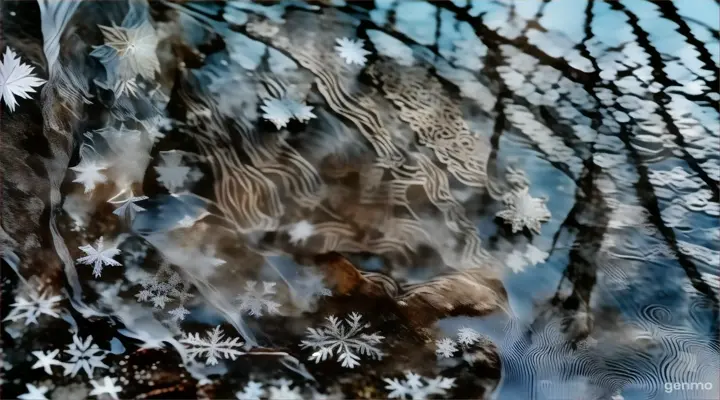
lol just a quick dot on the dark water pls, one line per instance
(511, 199)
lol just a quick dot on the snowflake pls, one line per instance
(347, 343)
(84, 355)
(308, 288)
(213, 346)
(30, 309)
(523, 210)
(253, 300)
(283, 392)
(352, 50)
(136, 48)
(46, 361)
(534, 255)
(127, 206)
(172, 174)
(34, 393)
(164, 287)
(16, 79)
(99, 257)
(516, 261)
(281, 111)
(252, 391)
(300, 232)
(412, 386)
(88, 173)
(106, 387)
(445, 347)
(468, 336)
(128, 87)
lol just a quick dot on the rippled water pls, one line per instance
(510, 199)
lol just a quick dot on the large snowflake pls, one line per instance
(345, 341)
(351, 50)
(254, 300)
(99, 257)
(523, 210)
(412, 386)
(16, 79)
(213, 346)
(84, 355)
(31, 308)
(135, 48)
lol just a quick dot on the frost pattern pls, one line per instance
(164, 287)
(347, 342)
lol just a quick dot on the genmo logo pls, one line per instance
(670, 387)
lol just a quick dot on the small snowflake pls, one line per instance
(446, 347)
(412, 386)
(281, 111)
(348, 343)
(34, 393)
(308, 288)
(283, 392)
(301, 231)
(468, 336)
(106, 387)
(252, 391)
(30, 309)
(99, 257)
(516, 261)
(253, 300)
(16, 79)
(523, 210)
(46, 361)
(88, 173)
(214, 346)
(172, 173)
(352, 50)
(84, 355)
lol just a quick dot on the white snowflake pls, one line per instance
(301, 231)
(99, 257)
(84, 355)
(534, 255)
(468, 336)
(348, 343)
(308, 288)
(107, 387)
(516, 261)
(283, 392)
(127, 207)
(412, 387)
(523, 210)
(88, 173)
(136, 49)
(252, 391)
(172, 173)
(30, 309)
(281, 111)
(352, 50)
(34, 393)
(16, 79)
(446, 347)
(214, 346)
(46, 361)
(254, 300)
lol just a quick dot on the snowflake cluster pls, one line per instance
(413, 387)
(82, 355)
(281, 111)
(166, 286)
(446, 347)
